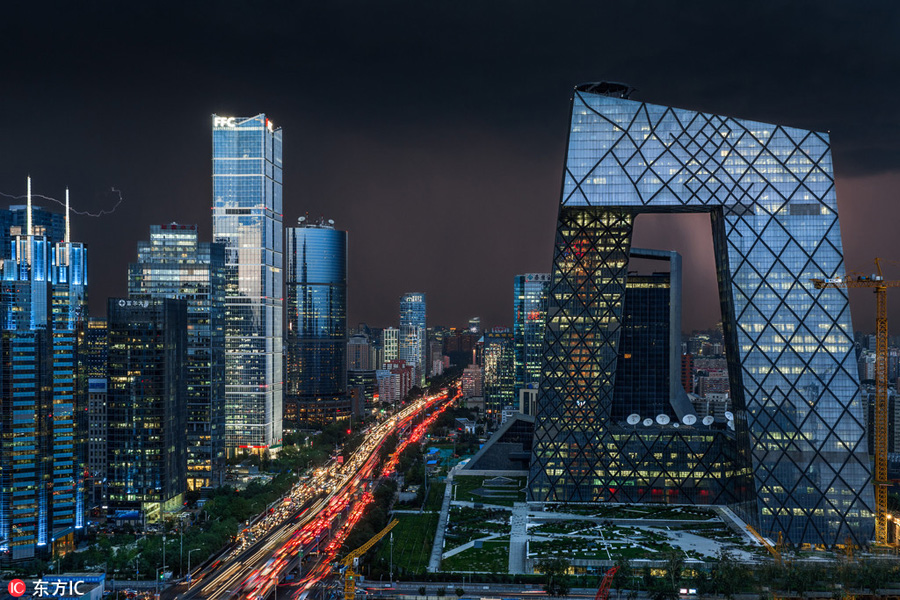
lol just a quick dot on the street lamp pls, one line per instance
(189, 566)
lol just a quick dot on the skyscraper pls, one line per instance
(797, 417)
(174, 263)
(499, 372)
(530, 313)
(317, 322)
(391, 343)
(146, 445)
(43, 288)
(247, 214)
(413, 333)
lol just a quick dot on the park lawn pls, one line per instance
(503, 496)
(492, 557)
(413, 538)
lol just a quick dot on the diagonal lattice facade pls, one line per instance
(799, 429)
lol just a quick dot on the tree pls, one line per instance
(441, 591)
(623, 574)
(667, 587)
(460, 592)
(422, 590)
(727, 574)
(555, 570)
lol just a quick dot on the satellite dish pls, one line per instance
(301, 219)
(729, 415)
(331, 221)
(633, 419)
(731, 425)
(689, 419)
(708, 420)
(648, 422)
(676, 425)
(663, 419)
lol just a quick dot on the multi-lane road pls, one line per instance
(296, 542)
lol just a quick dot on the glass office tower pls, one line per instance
(413, 332)
(317, 322)
(174, 263)
(146, 446)
(530, 313)
(43, 289)
(499, 373)
(797, 418)
(247, 212)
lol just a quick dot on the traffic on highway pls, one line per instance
(297, 540)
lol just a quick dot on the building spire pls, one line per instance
(28, 216)
(67, 215)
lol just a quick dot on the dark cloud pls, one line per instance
(433, 131)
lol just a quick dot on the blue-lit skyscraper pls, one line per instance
(247, 218)
(42, 462)
(413, 332)
(174, 263)
(530, 313)
(316, 345)
(798, 427)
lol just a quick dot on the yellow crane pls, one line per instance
(775, 552)
(352, 559)
(878, 283)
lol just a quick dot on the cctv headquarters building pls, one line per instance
(791, 456)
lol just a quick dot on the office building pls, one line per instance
(247, 212)
(499, 373)
(472, 382)
(95, 486)
(174, 263)
(529, 313)
(146, 442)
(648, 372)
(391, 344)
(51, 224)
(316, 348)
(413, 333)
(798, 426)
(359, 353)
(43, 288)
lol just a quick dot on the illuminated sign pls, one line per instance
(224, 121)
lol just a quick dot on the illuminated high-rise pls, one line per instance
(316, 344)
(530, 313)
(247, 218)
(413, 333)
(43, 293)
(797, 430)
(174, 263)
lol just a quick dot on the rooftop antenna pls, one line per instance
(28, 216)
(67, 215)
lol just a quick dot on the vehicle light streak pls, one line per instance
(349, 489)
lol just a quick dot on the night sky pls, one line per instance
(432, 131)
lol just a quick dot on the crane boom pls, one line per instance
(350, 559)
(772, 549)
(880, 286)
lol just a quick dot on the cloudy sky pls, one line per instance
(433, 131)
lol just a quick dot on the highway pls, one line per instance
(314, 520)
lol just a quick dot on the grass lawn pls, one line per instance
(435, 496)
(492, 557)
(413, 538)
(466, 488)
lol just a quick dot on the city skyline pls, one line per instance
(487, 110)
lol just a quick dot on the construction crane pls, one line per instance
(351, 560)
(878, 283)
(603, 592)
(775, 552)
